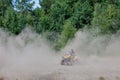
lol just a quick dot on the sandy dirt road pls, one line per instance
(89, 68)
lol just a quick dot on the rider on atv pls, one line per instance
(73, 55)
(69, 59)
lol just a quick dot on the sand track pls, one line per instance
(87, 69)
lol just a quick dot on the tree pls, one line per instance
(13, 21)
(46, 4)
(4, 4)
(106, 18)
(82, 15)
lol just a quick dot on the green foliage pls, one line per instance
(3, 7)
(46, 4)
(67, 34)
(11, 21)
(58, 13)
(29, 18)
(82, 14)
(44, 24)
(107, 18)
(21, 21)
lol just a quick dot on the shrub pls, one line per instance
(67, 33)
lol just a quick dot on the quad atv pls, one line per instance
(69, 59)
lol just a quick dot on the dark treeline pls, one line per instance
(58, 20)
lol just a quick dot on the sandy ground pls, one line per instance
(88, 68)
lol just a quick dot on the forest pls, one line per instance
(59, 20)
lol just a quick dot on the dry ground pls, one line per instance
(89, 68)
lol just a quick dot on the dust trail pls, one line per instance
(29, 56)
(86, 44)
(25, 54)
(98, 55)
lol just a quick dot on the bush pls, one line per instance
(67, 33)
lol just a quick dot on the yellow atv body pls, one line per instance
(69, 59)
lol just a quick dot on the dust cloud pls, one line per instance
(87, 44)
(29, 56)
